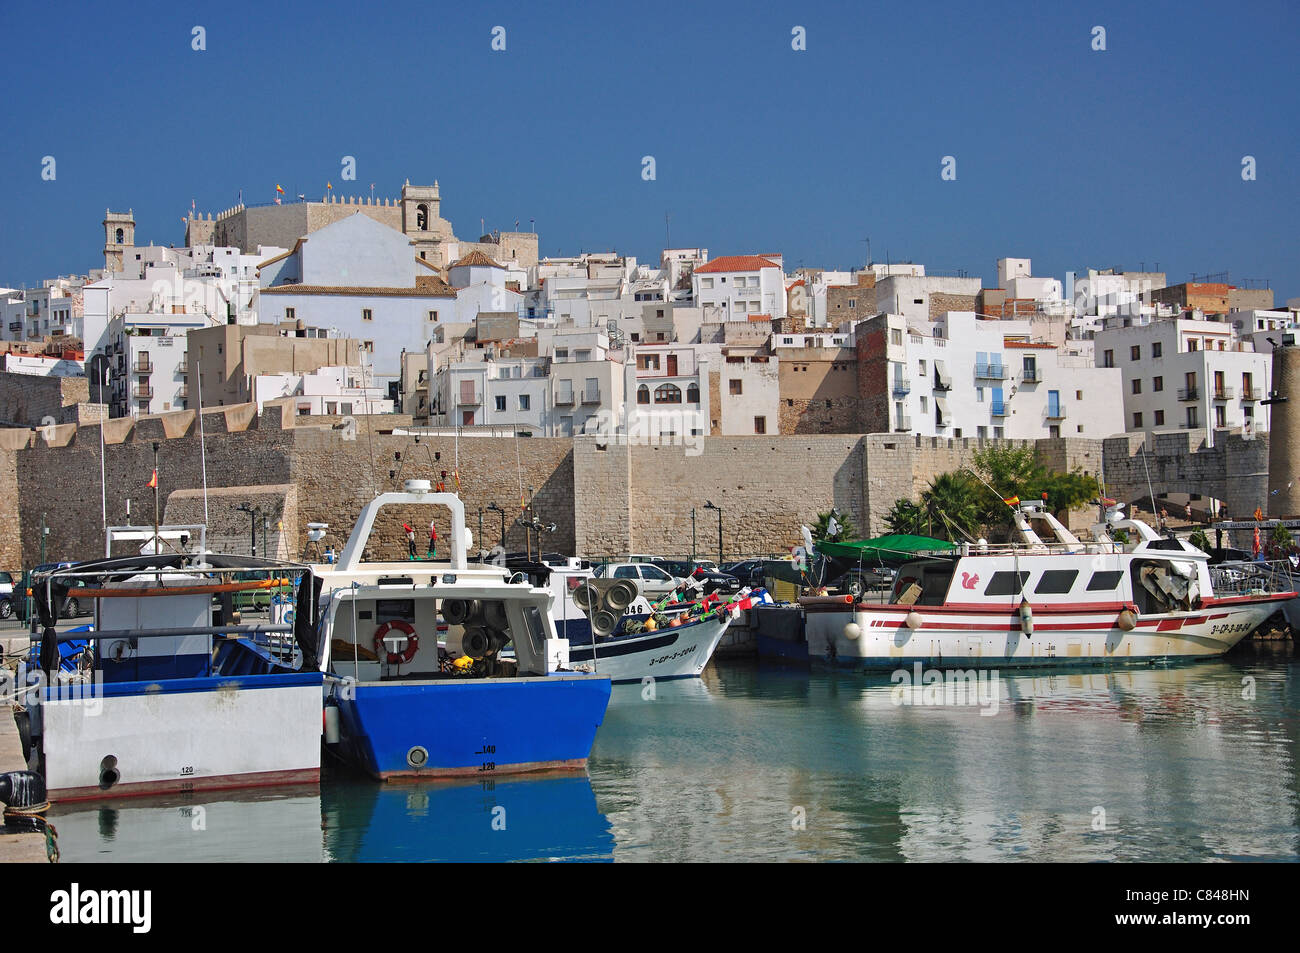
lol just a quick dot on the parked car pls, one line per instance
(714, 581)
(857, 581)
(748, 571)
(652, 581)
(72, 604)
(6, 595)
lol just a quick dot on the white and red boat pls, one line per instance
(1056, 602)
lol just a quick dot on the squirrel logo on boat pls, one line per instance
(968, 581)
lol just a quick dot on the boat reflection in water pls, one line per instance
(545, 817)
(279, 825)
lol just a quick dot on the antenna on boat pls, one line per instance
(203, 452)
(990, 488)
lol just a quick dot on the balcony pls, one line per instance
(591, 396)
(564, 398)
(902, 388)
(902, 425)
(941, 385)
(183, 392)
(142, 392)
(1251, 394)
(470, 398)
(1223, 393)
(1031, 375)
(991, 372)
(1055, 413)
(142, 365)
(1189, 393)
(998, 410)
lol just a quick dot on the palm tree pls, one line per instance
(843, 530)
(952, 506)
(907, 518)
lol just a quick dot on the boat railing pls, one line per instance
(1251, 578)
(1047, 547)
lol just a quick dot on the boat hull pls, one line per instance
(471, 727)
(184, 735)
(681, 652)
(1068, 636)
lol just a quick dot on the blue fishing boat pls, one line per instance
(398, 705)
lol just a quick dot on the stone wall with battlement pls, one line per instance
(606, 499)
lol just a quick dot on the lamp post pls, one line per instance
(252, 525)
(708, 505)
(692, 535)
(480, 529)
(493, 508)
(157, 547)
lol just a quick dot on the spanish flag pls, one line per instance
(278, 190)
(329, 185)
(1012, 501)
(153, 480)
(455, 475)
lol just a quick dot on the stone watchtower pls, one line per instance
(1284, 431)
(119, 235)
(423, 223)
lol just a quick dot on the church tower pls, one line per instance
(119, 235)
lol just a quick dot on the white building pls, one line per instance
(960, 376)
(1189, 374)
(740, 286)
(147, 362)
(491, 391)
(666, 390)
(330, 391)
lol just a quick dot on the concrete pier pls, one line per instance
(16, 848)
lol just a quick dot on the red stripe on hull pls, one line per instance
(219, 782)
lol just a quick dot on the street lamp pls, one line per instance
(252, 525)
(708, 505)
(692, 536)
(493, 508)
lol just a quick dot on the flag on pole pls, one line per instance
(153, 481)
(1011, 501)
(1259, 514)
(455, 475)
(329, 185)
(278, 189)
(1255, 545)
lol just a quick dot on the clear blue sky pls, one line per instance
(1072, 157)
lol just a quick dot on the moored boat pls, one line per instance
(399, 706)
(1059, 602)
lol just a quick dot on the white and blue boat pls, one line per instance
(399, 706)
(171, 693)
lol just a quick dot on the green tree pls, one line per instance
(952, 506)
(907, 518)
(1281, 540)
(1016, 472)
(844, 530)
(1200, 540)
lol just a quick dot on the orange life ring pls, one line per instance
(412, 641)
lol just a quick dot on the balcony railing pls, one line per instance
(902, 424)
(1031, 375)
(1189, 393)
(1251, 393)
(564, 398)
(1055, 413)
(142, 366)
(1223, 393)
(142, 392)
(591, 396)
(991, 372)
(470, 398)
(902, 388)
(998, 409)
(942, 385)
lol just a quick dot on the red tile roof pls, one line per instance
(1029, 345)
(735, 263)
(476, 259)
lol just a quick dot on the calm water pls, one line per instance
(729, 767)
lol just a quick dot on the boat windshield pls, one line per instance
(923, 584)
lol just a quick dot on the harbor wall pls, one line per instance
(605, 499)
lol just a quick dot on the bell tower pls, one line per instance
(119, 235)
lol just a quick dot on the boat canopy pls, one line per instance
(894, 549)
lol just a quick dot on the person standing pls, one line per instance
(433, 542)
(410, 538)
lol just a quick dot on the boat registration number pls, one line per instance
(1229, 628)
(676, 655)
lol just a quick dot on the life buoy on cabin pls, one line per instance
(412, 641)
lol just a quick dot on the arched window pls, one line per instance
(643, 394)
(120, 235)
(422, 218)
(693, 393)
(668, 394)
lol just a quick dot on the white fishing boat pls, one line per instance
(1050, 602)
(164, 697)
(627, 646)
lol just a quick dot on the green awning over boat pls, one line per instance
(895, 548)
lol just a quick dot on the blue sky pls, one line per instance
(1072, 157)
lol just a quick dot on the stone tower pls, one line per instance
(421, 210)
(1284, 431)
(198, 230)
(119, 235)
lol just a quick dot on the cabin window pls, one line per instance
(1056, 582)
(1006, 583)
(1104, 581)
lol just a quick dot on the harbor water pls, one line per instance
(1188, 762)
